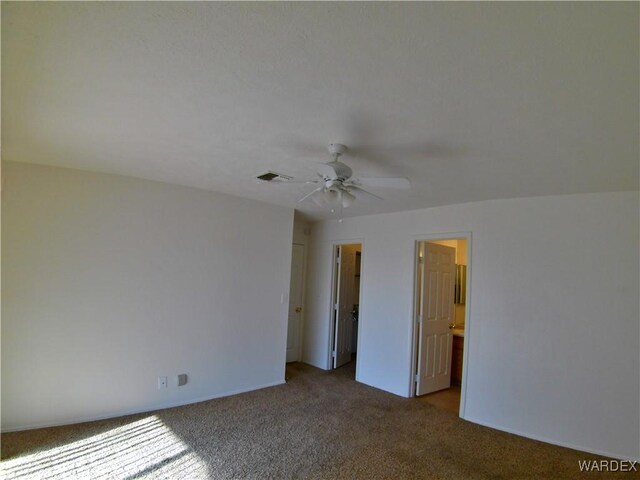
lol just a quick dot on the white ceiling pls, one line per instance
(471, 101)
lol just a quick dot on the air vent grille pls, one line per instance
(271, 176)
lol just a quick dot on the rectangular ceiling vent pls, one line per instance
(272, 176)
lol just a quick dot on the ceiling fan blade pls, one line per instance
(310, 193)
(358, 189)
(304, 182)
(384, 182)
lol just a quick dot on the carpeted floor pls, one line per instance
(319, 425)
(448, 399)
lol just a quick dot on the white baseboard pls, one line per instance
(149, 409)
(553, 442)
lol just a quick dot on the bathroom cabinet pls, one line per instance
(456, 360)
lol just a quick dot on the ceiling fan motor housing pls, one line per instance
(334, 171)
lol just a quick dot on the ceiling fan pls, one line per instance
(338, 187)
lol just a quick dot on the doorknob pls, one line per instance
(298, 309)
(451, 325)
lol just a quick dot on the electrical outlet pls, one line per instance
(162, 382)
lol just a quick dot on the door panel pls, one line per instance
(432, 293)
(444, 354)
(295, 304)
(430, 351)
(434, 309)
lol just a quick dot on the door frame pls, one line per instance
(466, 235)
(332, 297)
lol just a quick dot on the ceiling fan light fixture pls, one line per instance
(332, 197)
(347, 198)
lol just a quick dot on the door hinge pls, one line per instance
(336, 307)
(417, 378)
(338, 259)
(419, 319)
(333, 354)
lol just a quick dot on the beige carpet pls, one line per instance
(319, 425)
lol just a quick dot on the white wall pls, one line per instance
(553, 335)
(109, 282)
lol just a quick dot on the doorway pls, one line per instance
(441, 311)
(345, 306)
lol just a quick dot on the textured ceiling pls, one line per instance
(471, 101)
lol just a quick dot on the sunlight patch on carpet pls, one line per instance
(141, 449)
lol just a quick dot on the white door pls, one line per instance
(435, 317)
(295, 304)
(343, 308)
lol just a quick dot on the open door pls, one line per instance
(344, 295)
(435, 289)
(295, 304)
